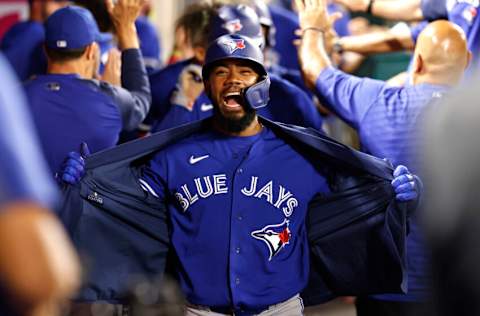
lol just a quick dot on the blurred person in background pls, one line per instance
(68, 105)
(150, 43)
(385, 117)
(39, 269)
(451, 217)
(22, 45)
(464, 13)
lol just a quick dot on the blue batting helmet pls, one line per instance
(266, 20)
(237, 19)
(240, 47)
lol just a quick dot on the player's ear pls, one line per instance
(91, 50)
(418, 64)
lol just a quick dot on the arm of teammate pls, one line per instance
(135, 97)
(407, 10)
(396, 39)
(348, 96)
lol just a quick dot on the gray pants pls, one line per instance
(290, 307)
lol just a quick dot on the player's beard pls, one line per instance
(235, 124)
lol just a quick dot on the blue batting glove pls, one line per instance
(73, 168)
(404, 185)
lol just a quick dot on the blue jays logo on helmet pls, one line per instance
(233, 44)
(233, 26)
(276, 237)
(237, 19)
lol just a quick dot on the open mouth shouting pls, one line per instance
(233, 100)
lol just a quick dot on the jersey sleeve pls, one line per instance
(154, 176)
(350, 97)
(23, 170)
(134, 97)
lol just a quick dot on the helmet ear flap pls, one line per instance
(257, 95)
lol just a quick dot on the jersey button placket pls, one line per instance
(237, 230)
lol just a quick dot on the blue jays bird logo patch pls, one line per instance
(274, 236)
(233, 26)
(234, 44)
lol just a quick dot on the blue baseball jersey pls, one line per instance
(163, 83)
(385, 118)
(238, 221)
(150, 44)
(68, 110)
(22, 45)
(288, 104)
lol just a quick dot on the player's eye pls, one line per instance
(246, 72)
(220, 72)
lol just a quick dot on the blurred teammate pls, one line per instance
(70, 107)
(385, 117)
(23, 42)
(39, 270)
(451, 218)
(463, 13)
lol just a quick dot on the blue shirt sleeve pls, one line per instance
(23, 171)
(350, 97)
(154, 175)
(134, 97)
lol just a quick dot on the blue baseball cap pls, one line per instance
(72, 27)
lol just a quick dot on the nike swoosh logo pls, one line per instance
(206, 107)
(194, 160)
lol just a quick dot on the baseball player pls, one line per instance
(68, 106)
(22, 44)
(38, 267)
(237, 188)
(289, 104)
(386, 117)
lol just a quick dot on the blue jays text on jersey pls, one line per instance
(246, 256)
(356, 235)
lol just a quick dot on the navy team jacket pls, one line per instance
(356, 235)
